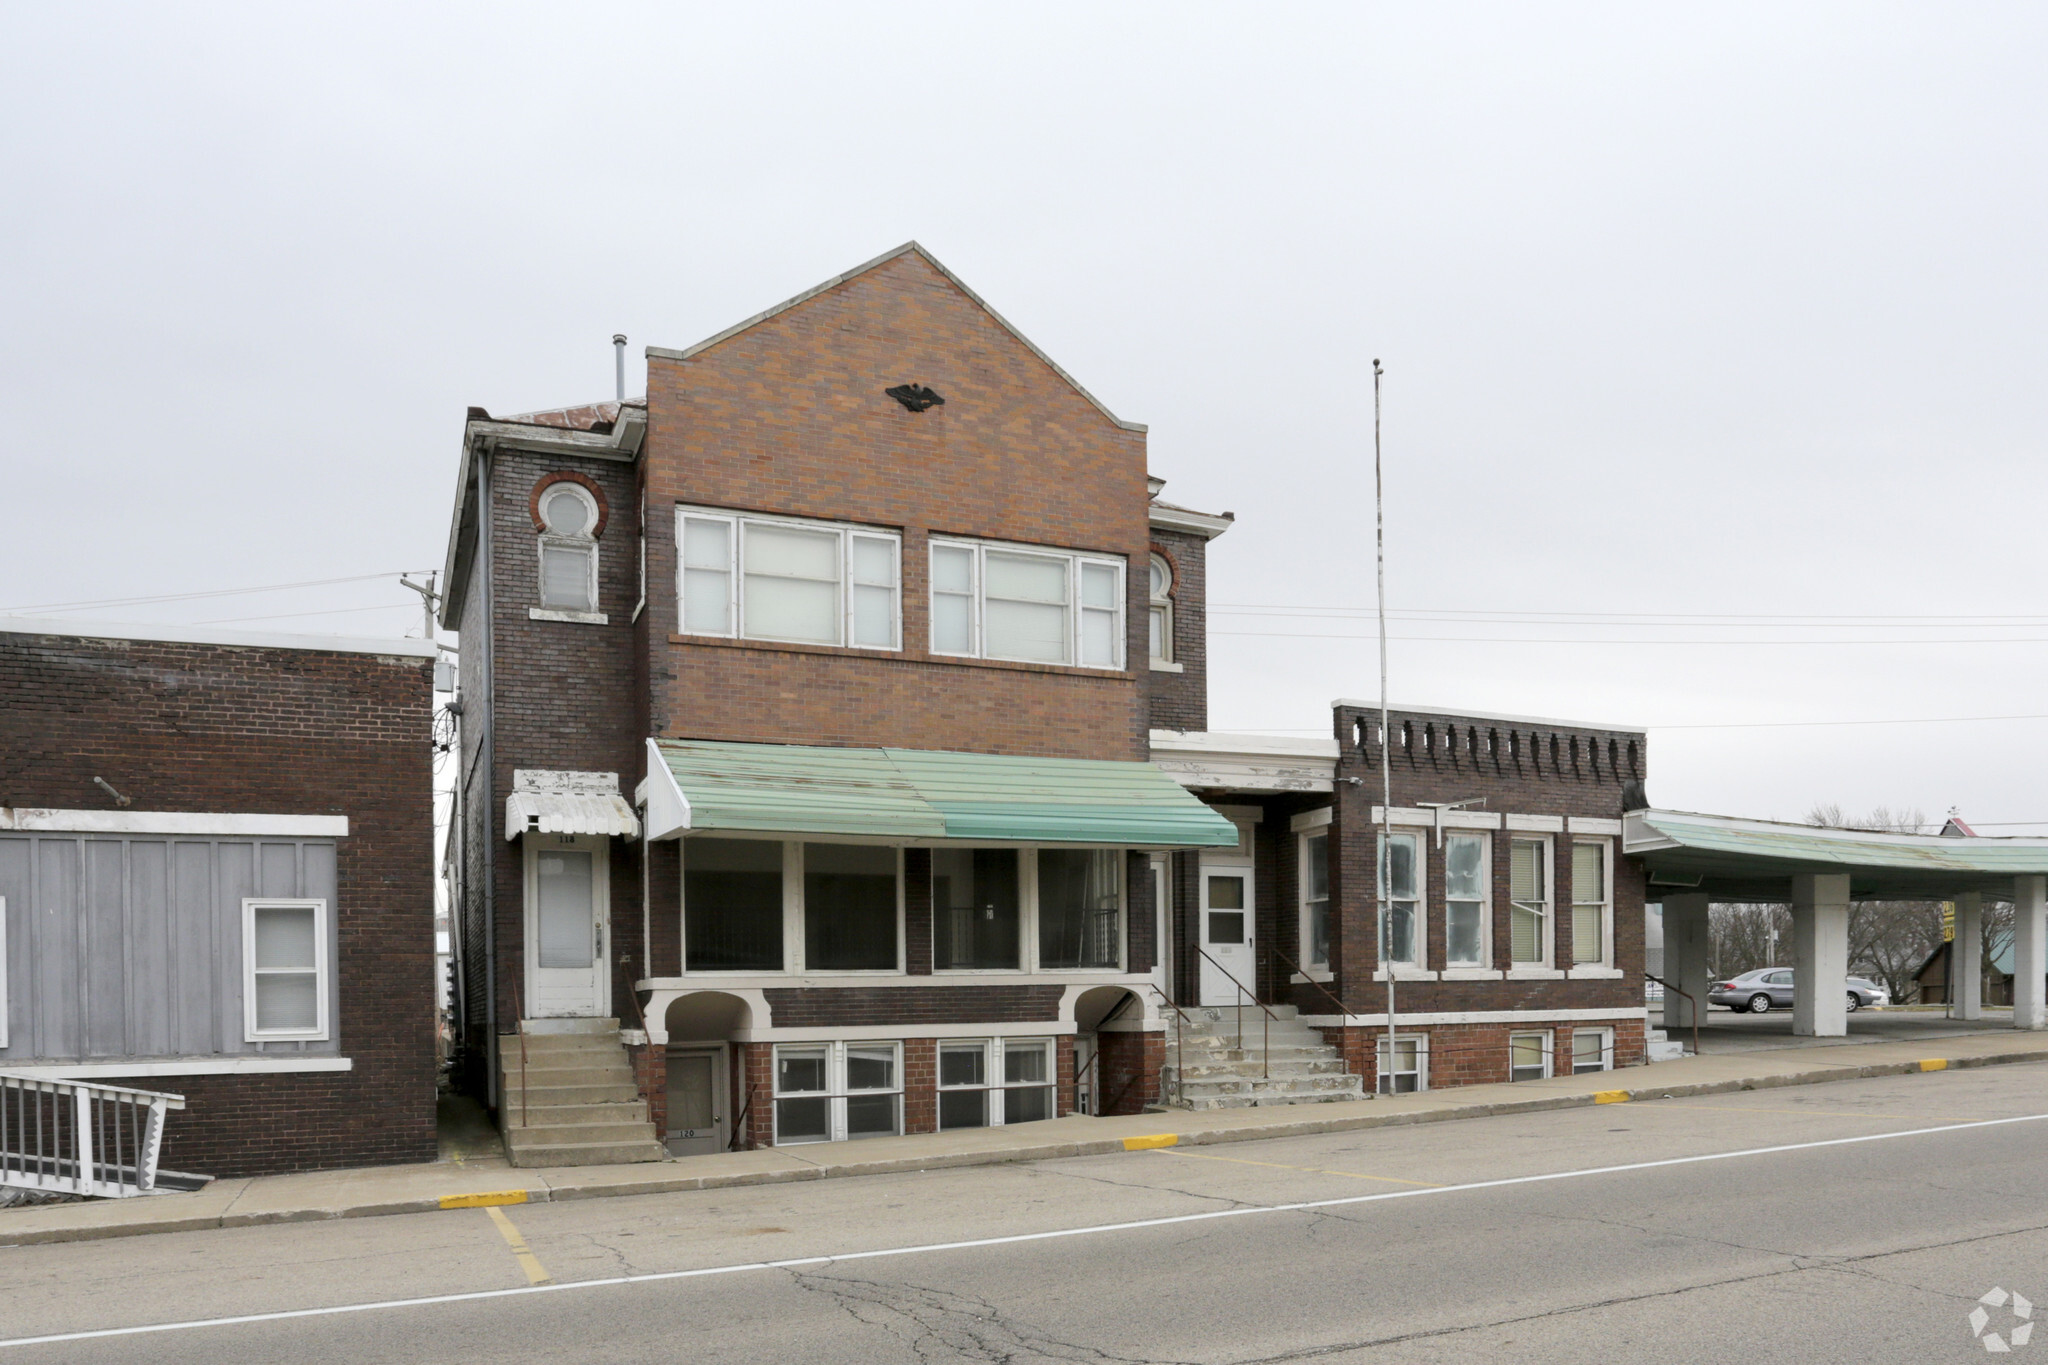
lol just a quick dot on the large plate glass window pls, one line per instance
(1080, 908)
(1400, 878)
(1529, 890)
(1589, 904)
(805, 582)
(285, 969)
(1029, 605)
(732, 905)
(849, 907)
(976, 909)
(1465, 896)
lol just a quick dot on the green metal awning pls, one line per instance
(921, 796)
(1754, 860)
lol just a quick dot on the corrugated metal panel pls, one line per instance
(556, 813)
(1752, 860)
(1915, 852)
(918, 794)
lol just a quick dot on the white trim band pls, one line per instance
(252, 1064)
(860, 1033)
(42, 820)
(1473, 1017)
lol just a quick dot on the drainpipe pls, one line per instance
(485, 568)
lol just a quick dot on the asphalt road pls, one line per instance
(1781, 1225)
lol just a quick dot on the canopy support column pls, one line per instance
(1685, 958)
(1820, 954)
(2029, 953)
(1967, 956)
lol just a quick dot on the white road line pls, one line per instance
(1011, 1240)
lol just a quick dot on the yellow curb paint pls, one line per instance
(528, 1262)
(1934, 1064)
(1151, 1140)
(482, 1201)
(1610, 1097)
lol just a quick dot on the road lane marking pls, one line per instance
(1150, 1141)
(482, 1201)
(528, 1262)
(1312, 1170)
(1816, 1113)
(1013, 1239)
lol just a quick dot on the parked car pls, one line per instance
(1769, 988)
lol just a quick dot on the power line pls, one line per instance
(1633, 644)
(195, 596)
(1426, 613)
(1705, 725)
(288, 615)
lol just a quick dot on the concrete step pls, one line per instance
(1264, 1087)
(1266, 1101)
(558, 1134)
(1200, 1013)
(1226, 1049)
(568, 1045)
(546, 1115)
(1251, 1066)
(544, 1028)
(595, 1092)
(567, 1073)
(586, 1153)
(1666, 1051)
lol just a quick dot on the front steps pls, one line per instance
(1205, 1068)
(572, 1101)
(1660, 1047)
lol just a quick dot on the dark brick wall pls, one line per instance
(824, 1006)
(1518, 769)
(1477, 1054)
(1130, 1063)
(220, 728)
(790, 417)
(1180, 701)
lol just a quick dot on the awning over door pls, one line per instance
(549, 802)
(921, 796)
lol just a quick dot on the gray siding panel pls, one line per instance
(133, 947)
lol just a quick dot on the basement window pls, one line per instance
(1528, 1056)
(1021, 1090)
(832, 1092)
(1409, 1071)
(1592, 1050)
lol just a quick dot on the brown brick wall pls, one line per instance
(219, 728)
(920, 1085)
(789, 417)
(1180, 701)
(1130, 1064)
(828, 1006)
(1477, 1054)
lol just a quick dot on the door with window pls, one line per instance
(566, 922)
(696, 1114)
(1226, 935)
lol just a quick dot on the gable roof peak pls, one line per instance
(913, 245)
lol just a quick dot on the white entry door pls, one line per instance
(1226, 935)
(567, 916)
(696, 1100)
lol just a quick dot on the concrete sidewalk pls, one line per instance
(465, 1183)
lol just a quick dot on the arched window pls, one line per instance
(568, 548)
(1162, 609)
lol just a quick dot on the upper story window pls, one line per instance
(1592, 904)
(1161, 625)
(1030, 605)
(568, 547)
(1468, 878)
(1401, 932)
(1529, 895)
(777, 578)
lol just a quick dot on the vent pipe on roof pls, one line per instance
(619, 362)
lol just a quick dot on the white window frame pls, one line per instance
(3, 971)
(1420, 966)
(323, 971)
(1028, 961)
(1549, 1038)
(1421, 1041)
(1311, 968)
(1484, 966)
(1160, 605)
(1546, 935)
(1076, 561)
(551, 540)
(736, 524)
(1606, 1036)
(1606, 904)
(837, 1089)
(993, 1072)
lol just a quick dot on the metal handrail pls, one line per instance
(1266, 1062)
(1179, 1034)
(1342, 1012)
(739, 1125)
(74, 1137)
(1691, 1000)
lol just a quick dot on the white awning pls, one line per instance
(546, 802)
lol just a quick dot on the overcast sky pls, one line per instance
(1713, 335)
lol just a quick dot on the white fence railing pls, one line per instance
(73, 1137)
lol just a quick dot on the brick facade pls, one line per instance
(264, 729)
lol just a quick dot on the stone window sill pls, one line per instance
(581, 618)
(1165, 666)
(1593, 973)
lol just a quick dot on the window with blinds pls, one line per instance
(1529, 892)
(1589, 904)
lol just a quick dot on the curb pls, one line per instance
(676, 1184)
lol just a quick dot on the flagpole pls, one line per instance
(1386, 927)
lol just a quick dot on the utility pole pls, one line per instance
(429, 599)
(1379, 521)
